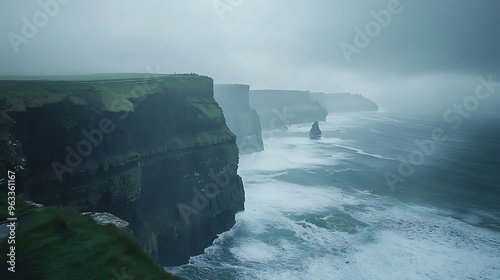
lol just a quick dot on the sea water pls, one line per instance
(325, 209)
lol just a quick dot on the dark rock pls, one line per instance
(104, 218)
(315, 132)
(154, 151)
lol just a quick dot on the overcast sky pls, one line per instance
(428, 49)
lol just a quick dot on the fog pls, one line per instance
(421, 55)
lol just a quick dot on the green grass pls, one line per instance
(99, 92)
(88, 77)
(206, 108)
(58, 243)
(103, 91)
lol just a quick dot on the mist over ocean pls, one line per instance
(324, 210)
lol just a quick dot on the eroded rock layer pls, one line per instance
(153, 150)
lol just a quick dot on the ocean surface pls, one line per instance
(324, 209)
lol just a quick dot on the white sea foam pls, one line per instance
(368, 118)
(360, 151)
(289, 153)
(278, 237)
(401, 242)
(417, 243)
(392, 120)
(253, 250)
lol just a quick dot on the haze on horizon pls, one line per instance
(429, 53)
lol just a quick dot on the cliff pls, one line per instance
(279, 108)
(240, 118)
(153, 150)
(344, 102)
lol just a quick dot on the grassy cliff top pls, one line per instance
(59, 243)
(93, 77)
(109, 92)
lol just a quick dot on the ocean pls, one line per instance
(377, 197)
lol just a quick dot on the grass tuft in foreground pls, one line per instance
(59, 243)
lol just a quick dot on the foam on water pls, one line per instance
(361, 152)
(253, 250)
(400, 242)
(298, 231)
(300, 153)
(419, 243)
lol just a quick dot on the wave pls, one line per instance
(301, 222)
(361, 152)
(275, 238)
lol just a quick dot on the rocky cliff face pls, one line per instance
(279, 108)
(153, 150)
(240, 118)
(344, 102)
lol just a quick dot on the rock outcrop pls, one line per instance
(154, 150)
(240, 118)
(315, 132)
(344, 102)
(279, 108)
(104, 218)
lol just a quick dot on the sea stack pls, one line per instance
(315, 132)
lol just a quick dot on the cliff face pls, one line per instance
(278, 108)
(344, 102)
(240, 118)
(154, 151)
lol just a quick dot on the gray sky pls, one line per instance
(428, 49)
